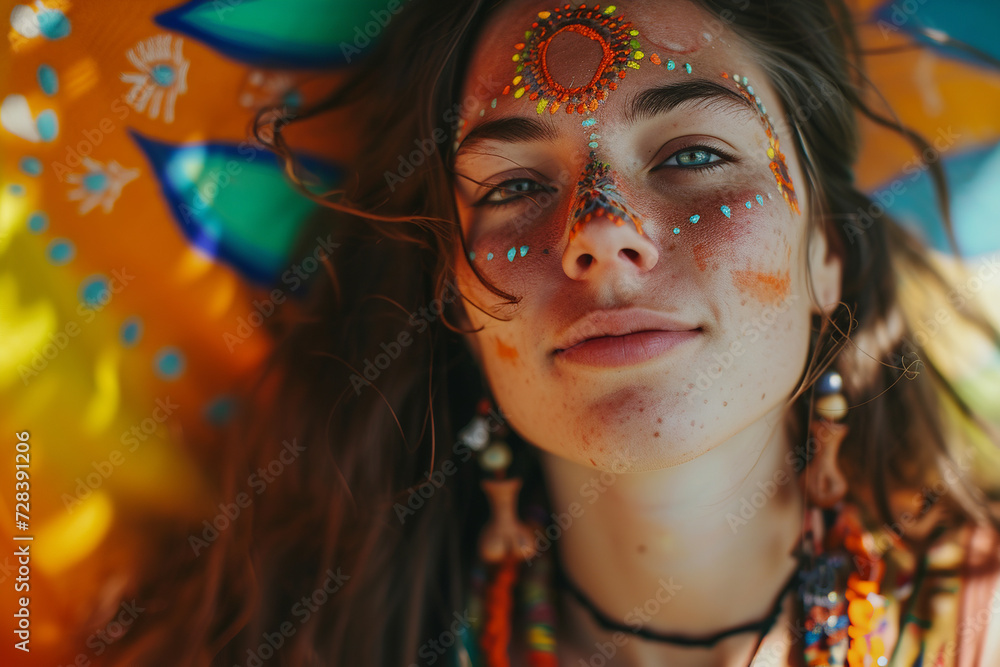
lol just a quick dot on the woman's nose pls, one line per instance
(607, 242)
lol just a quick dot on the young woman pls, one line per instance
(608, 369)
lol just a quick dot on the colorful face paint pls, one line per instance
(778, 166)
(597, 194)
(763, 286)
(545, 82)
(591, 45)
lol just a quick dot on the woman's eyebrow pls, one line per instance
(513, 129)
(662, 99)
(645, 105)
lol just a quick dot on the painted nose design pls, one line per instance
(606, 236)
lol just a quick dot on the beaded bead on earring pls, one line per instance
(831, 404)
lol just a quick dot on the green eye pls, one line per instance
(695, 157)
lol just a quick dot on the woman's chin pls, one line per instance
(636, 442)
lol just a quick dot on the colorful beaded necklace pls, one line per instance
(842, 617)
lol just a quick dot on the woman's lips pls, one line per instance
(623, 336)
(627, 349)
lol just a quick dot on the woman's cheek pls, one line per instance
(735, 232)
(515, 249)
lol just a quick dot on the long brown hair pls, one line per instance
(377, 429)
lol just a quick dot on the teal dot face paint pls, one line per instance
(472, 254)
(603, 198)
(671, 64)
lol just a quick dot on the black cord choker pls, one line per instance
(762, 626)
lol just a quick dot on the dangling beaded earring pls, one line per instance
(824, 608)
(504, 535)
(829, 485)
(840, 627)
(505, 541)
(866, 606)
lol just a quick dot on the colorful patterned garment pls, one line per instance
(945, 603)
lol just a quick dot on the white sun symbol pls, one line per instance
(162, 75)
(100, 184)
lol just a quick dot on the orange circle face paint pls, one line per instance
(544, 60)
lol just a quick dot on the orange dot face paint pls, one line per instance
(506, 352)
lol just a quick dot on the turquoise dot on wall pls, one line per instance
(131, 331)
(168, 364)
(60, 251)
(31, 166)
(220, 410)
(38, 222)
(47, 124)
(48, 80)
(95, 181)
(53, 23)
(15, 189)
(94, 291)
(162, 74)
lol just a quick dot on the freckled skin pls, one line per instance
(702, 253)
(705, 273)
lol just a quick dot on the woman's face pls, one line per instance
(629, 174)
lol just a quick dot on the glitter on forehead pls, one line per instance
(620, 50)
